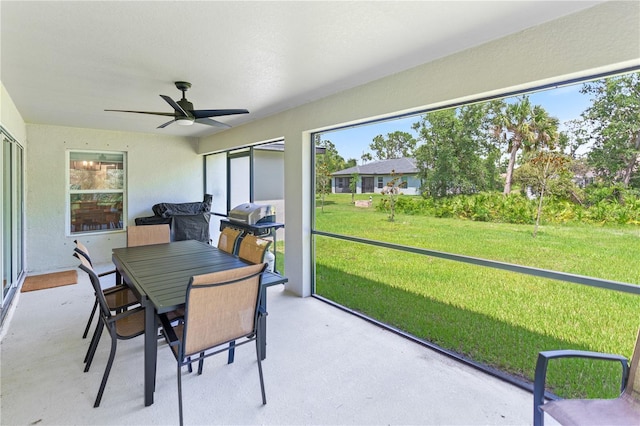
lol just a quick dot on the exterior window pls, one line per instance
(380, 184)
(96, 191)
(403, 182)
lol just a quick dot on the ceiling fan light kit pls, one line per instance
(184, 114)
(185, 121)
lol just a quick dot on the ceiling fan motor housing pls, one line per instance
(185, 105)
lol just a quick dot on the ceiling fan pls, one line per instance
(185, 115)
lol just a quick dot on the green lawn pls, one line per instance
(492, 316)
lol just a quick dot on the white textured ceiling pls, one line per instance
(63, 63)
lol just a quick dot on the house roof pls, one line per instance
(383, 167)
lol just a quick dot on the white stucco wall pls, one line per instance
(159, 169)
(268, 175)
(10, 117)
(600, 39)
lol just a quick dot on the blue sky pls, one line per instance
(565, 103)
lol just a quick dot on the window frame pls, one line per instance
(523, 269)
(69, 192)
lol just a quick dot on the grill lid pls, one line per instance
(250, 213)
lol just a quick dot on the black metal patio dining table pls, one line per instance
(160, 273)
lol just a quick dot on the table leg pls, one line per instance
(150, 351)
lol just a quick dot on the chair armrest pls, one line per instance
(126, 313)
(115, 289)
(168, 331)
(541, 373)
(104, 274)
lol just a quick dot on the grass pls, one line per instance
(495, 317)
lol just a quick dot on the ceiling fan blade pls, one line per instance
(175, 106)
(210, 122)
(166, 114)
(203, 113)
(162, 126)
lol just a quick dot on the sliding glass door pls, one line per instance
(12, 220)
(249, 174)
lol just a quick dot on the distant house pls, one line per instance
(373, 177)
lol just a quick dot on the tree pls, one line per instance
(614, 122)
(396, 145)
(330, 160)
(456, 155)
(326, 163)
(524, 127)
(323, 179)
(353, 186)
(392, 190)
(545, 166)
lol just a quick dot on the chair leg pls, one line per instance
(259, 356)
(93, 312)
(94, 345)
(107, 370)
(180, 392)
(200, 363)
(232, 352)
(93, 338)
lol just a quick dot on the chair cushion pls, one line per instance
(119, 297)
(620, 411)
(131, 325)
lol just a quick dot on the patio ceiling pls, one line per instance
(63, 63)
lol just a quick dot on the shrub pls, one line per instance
(602, 205)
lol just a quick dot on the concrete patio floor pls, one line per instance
(323, 367)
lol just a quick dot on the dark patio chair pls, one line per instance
(118, 297)
(251, 249)
(623, 410)
(122, 326)
(221, 307)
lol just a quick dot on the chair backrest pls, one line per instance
(252, 249)
(633, 382)
(85, 265)
(221, 307)
(144, 235)
(229, 239)
(82, 250)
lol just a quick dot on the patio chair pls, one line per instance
(118, 297)
(253, 249)
(122, 326)
(228, 240)
(221, 307)
(148, 234)
(623, 410)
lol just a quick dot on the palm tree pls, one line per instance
(525, 127)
